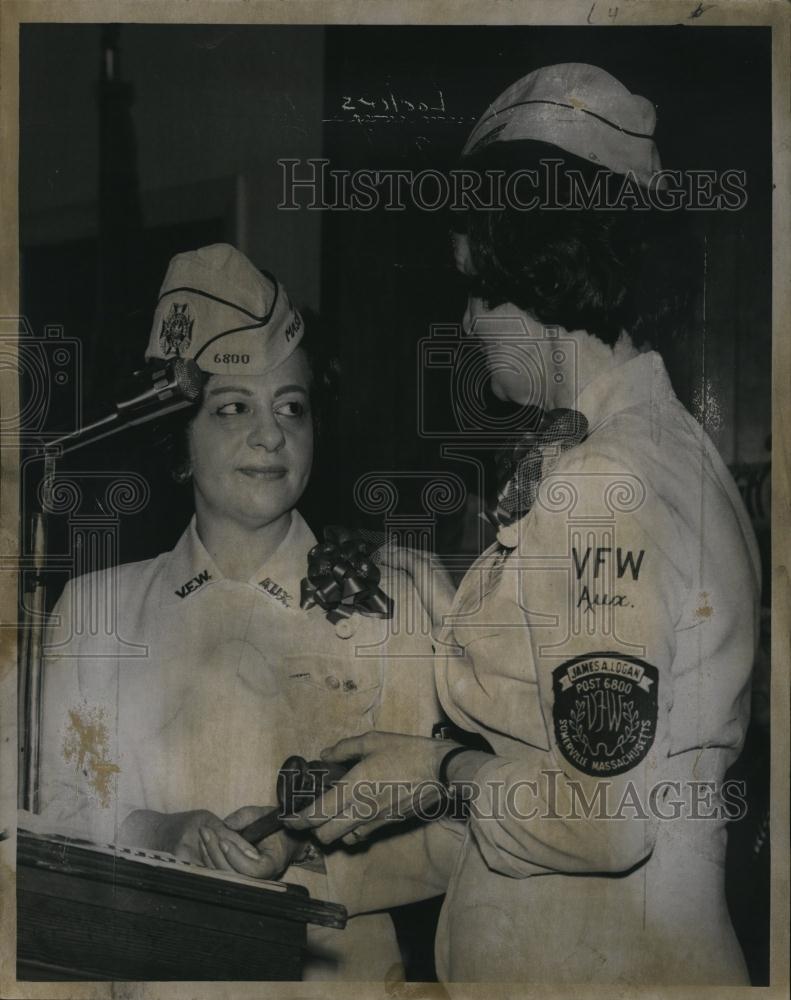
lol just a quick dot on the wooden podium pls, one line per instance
(88, 912)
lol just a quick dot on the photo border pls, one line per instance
(732, 13)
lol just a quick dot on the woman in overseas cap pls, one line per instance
(603, 645)
(218, 668)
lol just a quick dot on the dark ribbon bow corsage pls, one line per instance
(342, 578)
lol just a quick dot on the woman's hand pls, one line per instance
(201, 838)
(396, 778)
(429, 577)
(226, 850)
(396, 557)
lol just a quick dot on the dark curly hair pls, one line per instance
(603, 270)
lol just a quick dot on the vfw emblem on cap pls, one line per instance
(176, 333)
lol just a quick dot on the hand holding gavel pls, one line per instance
(299, 783)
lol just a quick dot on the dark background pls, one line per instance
(141, 141)
(180, 150)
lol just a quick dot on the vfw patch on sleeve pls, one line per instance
(604, 711)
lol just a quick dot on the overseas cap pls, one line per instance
(579, 108)
(218, 309)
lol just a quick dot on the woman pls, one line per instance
(166, 729)
(603, 645)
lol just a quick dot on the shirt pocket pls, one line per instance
(335, 696)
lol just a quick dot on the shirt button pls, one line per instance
(508, 535)
(344, 629)
(333, 682)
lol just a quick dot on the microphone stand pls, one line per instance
(29, 683)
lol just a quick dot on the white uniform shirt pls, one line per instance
(610, 643)
(168, 687)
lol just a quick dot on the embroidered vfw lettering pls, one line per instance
(624, 560)
(192, 585)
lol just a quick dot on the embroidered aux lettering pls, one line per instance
(192, 585)
(275, 590)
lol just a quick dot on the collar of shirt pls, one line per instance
(190, 568)
(641, 381)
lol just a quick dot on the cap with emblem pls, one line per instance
(578, 108)
(218, 309)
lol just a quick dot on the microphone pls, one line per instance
(175, 384)
(178, 378)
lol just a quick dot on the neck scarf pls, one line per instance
(521, 468)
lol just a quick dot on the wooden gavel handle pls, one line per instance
(299, 777)
(262, 827)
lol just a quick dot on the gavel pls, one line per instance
(299, 783)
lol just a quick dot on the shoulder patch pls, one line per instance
(604, 711)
